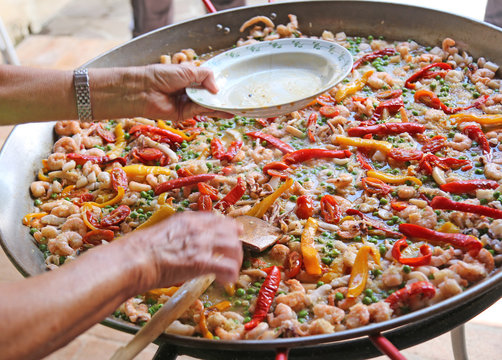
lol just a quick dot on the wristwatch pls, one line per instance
(82, 94)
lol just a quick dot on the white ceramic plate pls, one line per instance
(273, 78)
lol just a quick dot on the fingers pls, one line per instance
(226, 270)
(190, 109)
(205, 77)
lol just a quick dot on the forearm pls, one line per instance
(55, 307)
(33, 95)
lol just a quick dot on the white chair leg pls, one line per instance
(6, 46)
(458, 343)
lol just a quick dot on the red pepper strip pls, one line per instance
(233, 149)
(265, 298)
(206, 189)
(373, 223)
(156, 133)
(401, 244)
(147, 155)
(311, 123)
(465, 186)
(95, 237)
(204, 203)
(431, 100)
(217, 148)
(275, 168)
(325, 100)
(478, 102)
(389, 94)
(375, 186)
(330, 210)
(309, 154)
(294, 264)
(81, 159)
(329, 111)
(304, 207)
(372, 56)
(428, 162)
(116, 216)
(461, 241)
(272, 140)
(443, 203)
(392, 105)
(476, 134)
(398, 205)
(363, 161)
(119, 179)
(386, 129)
(183, 172)
(402, 296)
(423, 73)
(233, 195)
(401, 154)
(434, 144)
(106, 135)
(180, 182)
(86, 197)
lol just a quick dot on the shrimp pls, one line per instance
(406, 192)
(447, 289)
(380, 79)
(262, 331)
(426, 218)
(482, 76)
(234, 334)
(341, 181)
(484, 257)
(49, 232)
(332, 314)
(441, 257)
(392, 276)
(380, 311)
(358, 315)
(65, 145)
(320, 326)
(460, 142)
(493, 171)
(279, 253)
(136, 311)
(454, 76)
(56, 161)
(297, 299)
(91, 141)
(469, 271)
(350, 229)
(65, 209)
(256, 19)
(433, 115)
(65, 243)
(496, 228)
(178, 328)
(448, 46)
(179, 58)
(67, 127)
(281, 314)
(74, 224)
(95, 152)
(39, 188)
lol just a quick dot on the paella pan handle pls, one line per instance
(281, 354)
(386, 347)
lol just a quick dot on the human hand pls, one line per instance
(165, 91)
(188, 245)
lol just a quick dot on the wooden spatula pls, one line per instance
(257, 236)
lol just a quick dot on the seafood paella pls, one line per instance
(386, 191)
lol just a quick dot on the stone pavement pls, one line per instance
(82, 30)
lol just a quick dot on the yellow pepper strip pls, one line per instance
(230, 289)
(83, 212)
(116, 199)
(162, 198)
(162, 124)
(393, 179)
(480, 119)
(42, 176)
(309, 252)
(359, 273)
(203, 326)
(353, 87)
(120, 142)
(259, 209)
(160, 214)
(67, 190)
(383, 146)
(449, 227)
(156, 293)
(28, 217)
(139, 172)
(221, 306)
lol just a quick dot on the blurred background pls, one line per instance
(64, 34)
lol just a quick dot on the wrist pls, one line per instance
(117, 92)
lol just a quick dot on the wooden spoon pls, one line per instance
(257, 236)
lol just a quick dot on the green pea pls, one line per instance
(54, 195)
(374, 298)
(327, 260)
(246, 319)
(382, 249)
(357, 238)
(368, 292)
(37, 202)
(184, 144)
(383, 201)
(248, 297)
(483, 201)
(430, 276)
(237, 303)
(479, 171)
(33, 231)
(240, 292)
(303, 313)
(293, 197)
(376, 272)
(406, 269)
(320, 283)
(367, 300)
(496, 194)
(42, 247)
(339, 296)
